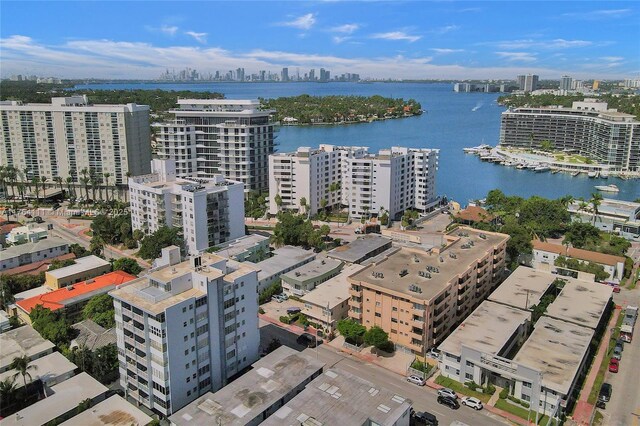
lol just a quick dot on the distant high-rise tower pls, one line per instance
(240, 74)
(285, 74)
(312, 75)
(528, 82)
(565, 82)
(596, 84)
(323, 75)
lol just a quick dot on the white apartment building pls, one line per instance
(210, 211)
(233, 138)
(69, 135)
(391, 181)
(185, 328)
(177, 141)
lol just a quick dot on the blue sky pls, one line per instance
(401, 39)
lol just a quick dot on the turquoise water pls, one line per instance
(453, 121)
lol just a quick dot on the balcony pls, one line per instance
(355, 315)
(354, 304)
(417, 323)
(356, 293)
(418, 312)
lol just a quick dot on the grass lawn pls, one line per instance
(602, 369)
(522, 412)
(634, 281)
(598, 418)
(460, 388)
(89, 233)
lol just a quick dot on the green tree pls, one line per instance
(596, 200)
(78, 250)
(105, 364)
(303, 204)
(57, 264)
(22, 366)
(151, 245)
(100, 309)
(6, 296)
(273, 345)
(8, 396)
(84, 405)
(377, 337)
(127, 265)
(50, 325)
(352, 331)
(580, 234)
(546, 145)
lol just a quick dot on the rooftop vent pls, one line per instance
(377, 274)
(453, 255)
(403, 273)
(483, 236)
(298, 274)
(69, 288)
(441, 259)
(424, 274)
(414, 288)
(415, 259)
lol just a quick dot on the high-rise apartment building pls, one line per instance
(185, 328)
(419, 296)
(588, 128)
(565, 83)
(528, 82)
(285, 75)
(391, 181)
(233, 138)
(178, 142)
(210, 211)
(63, 138)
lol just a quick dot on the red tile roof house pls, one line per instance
(73, 298)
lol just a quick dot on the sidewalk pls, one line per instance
(584, 410)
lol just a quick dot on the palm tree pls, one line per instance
(13, 176)
(3, 179)
(21, 364)
(58, 180)
(567, 200)
(94, 185)
(303, 204)
(85, 182)
(35, 181)
(69, 181)
(106, 182)
(278, 200)
(596, 200)
(44, 179)
(21, 189)
(25, 178)
(7, 392)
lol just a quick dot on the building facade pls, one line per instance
(617, 216)
(177, 141)
(391, 181)
(588, 128)
(185, 329)
(24, 254)
(209, 211)
(419, 296)
(233, 138)
(528, 83)
(70, 135)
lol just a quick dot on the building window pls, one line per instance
(525, 397)
(526, 385)
(469, 376)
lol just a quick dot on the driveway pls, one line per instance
(275, 309)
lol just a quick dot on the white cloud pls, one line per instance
(169, 29)
(445, 29)
(517, 56)
(396, 35)
(304, 22)
(612, 58)
(444, 51)
(599, 14)
(199, 37)
(558, 43)
(340, 39)
(345, 29)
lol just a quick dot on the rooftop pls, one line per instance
(238, 403)
(64, 397)
(313, 269)
(82, 264)
(47, 368)
(36, 267)
(555, 348)
(340, 398)
(21, 249)
(361, 247)
(424, 274)
(114, 411)
(333, 291)
(581, 302)
(524, 288)
(22, 341)
(487, 329)
(576, 253)
(475, 214)
(60, 298)
(92, 336)
(612, 207)
(239, 245)
(283, 258)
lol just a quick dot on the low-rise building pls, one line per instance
(26, 234)
(5, 324)
(329, 303)
(248, 248)
(340, 398)
(51, 369)
(617, 216)
(83, 269)
(27, 253)
(419, 296)
(92, 336)
(474, 214)
(37, 267)
(543, 367)
(61, 404)
(282, 260)
(209, 210)
(545, 254)
(302, 280)
(113, 411)
(256, 395)
(22, 341)
(72, 299)
(361, 249)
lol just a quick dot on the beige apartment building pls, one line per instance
(418, 297)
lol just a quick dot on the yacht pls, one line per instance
(592, 174)
(607, 188)
(604, 175)
(542, 168)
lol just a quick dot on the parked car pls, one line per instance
(605, 392)
(38, 219)
(616, 289)
(614, 365)
(416, 380)
(293, 310)
(449, 402)
(617, 352)
(434, 353)
(277, 298)
(308, 340)
(472, 402)
(448, 393)
(56, 206)
(424, 418)
(28, 216)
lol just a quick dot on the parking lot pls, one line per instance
(275, 309)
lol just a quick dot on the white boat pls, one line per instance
(607, 188)
(542, 168)
(592, 174)
(520, 166)
(477, 149)
(604, 175)
(575, 173)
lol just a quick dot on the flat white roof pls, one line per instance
(333, 291)
(82, 264)
(488, 329)
(523, 288)
(555, 348)
(22, 341)
(114, 411)
(283, 258)
(313, 269)
(64, 397)
(47, 368)
(581, 302)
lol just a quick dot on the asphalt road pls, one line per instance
(424, 398)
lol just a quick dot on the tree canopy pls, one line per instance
(50, 325)
(352, 331)
(127, 265)
(152, 245)
(100, 309)
(297, 230)
(377, 337)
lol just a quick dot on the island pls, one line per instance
(308, 110)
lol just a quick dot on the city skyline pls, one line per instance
(399, 40)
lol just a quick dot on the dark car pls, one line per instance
(38, 219)
(307, 340)
(605, 392)
(293, 310)
(449, 402)
(28, 216)
(56, 206)
(424, 418)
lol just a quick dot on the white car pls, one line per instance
(447, 392)
(434, 353)
(472, 402)
(417, 380)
